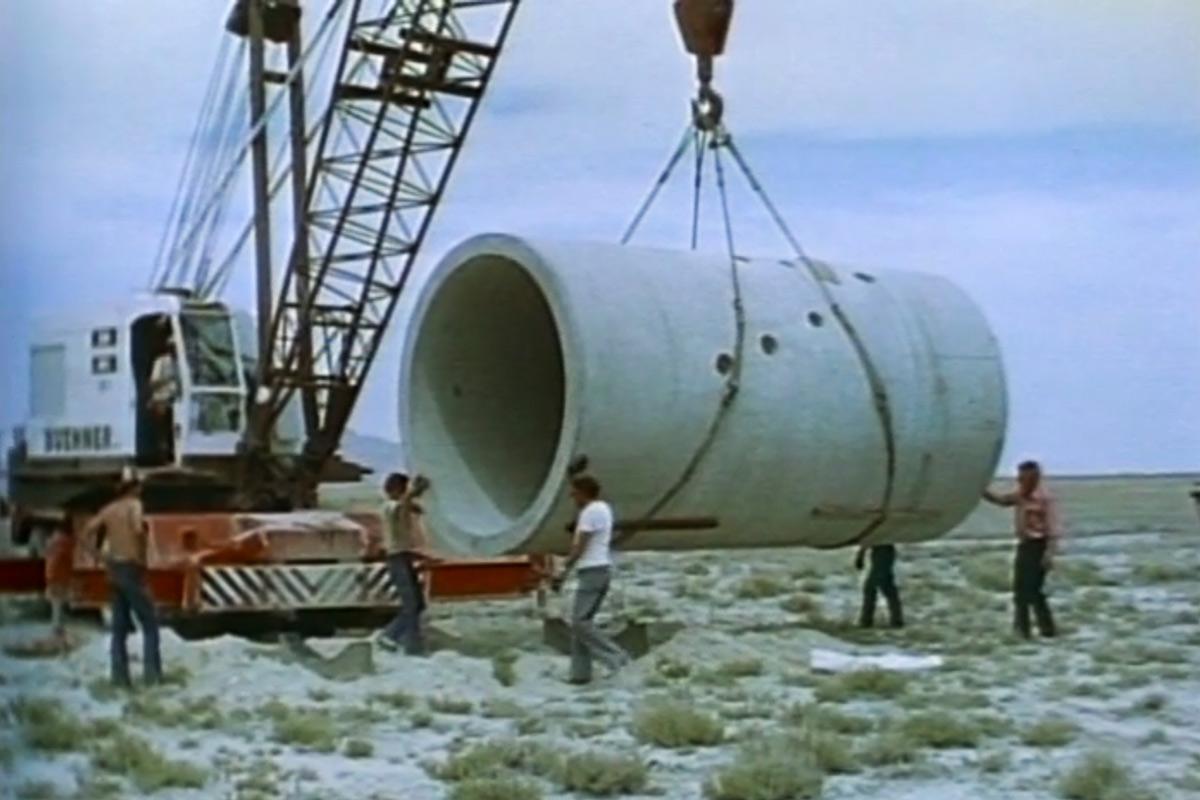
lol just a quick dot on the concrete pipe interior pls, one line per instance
(488, 384)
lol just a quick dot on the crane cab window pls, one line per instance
(48, 381)
(217, 398)
(208, 346)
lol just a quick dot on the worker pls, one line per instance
(405, 542)
(60, 565)
(1038, 535)
(124, 548)
(164, 392)
(590, 555)
(881, 579)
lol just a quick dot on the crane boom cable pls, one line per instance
(216, 285)
(209, 130)
(221, 128)
(661, 181)
(700, 142)
(210, 92)
(228, 176)
(197, 256)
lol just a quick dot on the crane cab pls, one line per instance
(91, 395)
(92, 408)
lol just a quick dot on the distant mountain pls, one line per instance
(380, 454)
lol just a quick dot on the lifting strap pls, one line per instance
(706, 131)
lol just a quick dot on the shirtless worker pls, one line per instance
(124, 551)
(591, 557)
(1038, 537)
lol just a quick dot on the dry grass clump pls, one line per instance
(1151, 703)
(602, 774)
(149, 770)
(800, 603)
(47, 725)
(741, 668)
(760, 585)
(504, 668)
(672, 669)
(502, 708)
(1100, 776)
(450, 705)
(941, 730)
(831, 752)
(100, 787)
(37, 790)
(676, 724)
(770, 769)
(505, 787)
(826, 718)
(866, 683)
(201, 713)
(991, 572)
(889, 749)
(995, 762)
(1081, 572)
(397, 699)
(1134, 654)
(1163, 572)
(497, 758)
(358, 748)
(259, 778)
(360, 715)
(1050, 732)
(300, 727)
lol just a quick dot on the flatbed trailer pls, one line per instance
(223, 565)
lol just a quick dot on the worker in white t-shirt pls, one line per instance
(591, 557)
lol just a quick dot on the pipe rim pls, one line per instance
(446, 526)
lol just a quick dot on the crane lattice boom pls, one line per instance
(407, 89)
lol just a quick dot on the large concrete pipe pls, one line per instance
(850, 408)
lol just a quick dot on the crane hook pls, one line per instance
(704, 27)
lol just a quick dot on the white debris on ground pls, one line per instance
(995, 720)
(833, 661)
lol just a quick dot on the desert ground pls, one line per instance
(725, 706)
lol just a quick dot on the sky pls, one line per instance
(1042, 154)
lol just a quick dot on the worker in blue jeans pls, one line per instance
(405, 542)
(591, 558)
(880, 580)
(125, 537)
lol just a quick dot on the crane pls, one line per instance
(264, 401)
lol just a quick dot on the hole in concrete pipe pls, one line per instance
(769, 344)
(815, 319)
(865, 277)
(489, 386)
(724, 363)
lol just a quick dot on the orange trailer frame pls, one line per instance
(220, 563)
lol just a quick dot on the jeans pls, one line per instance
(405, 628)
(127, 585)
(1029, 578)
(881, 579)
(586, 639)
